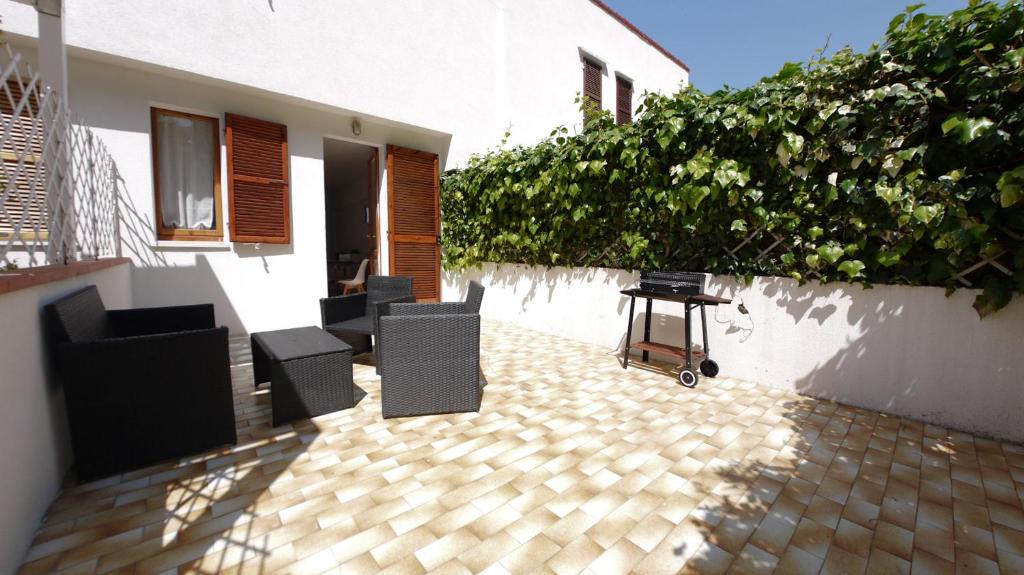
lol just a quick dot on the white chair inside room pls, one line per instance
(358, 283)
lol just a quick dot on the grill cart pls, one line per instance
(680, 287)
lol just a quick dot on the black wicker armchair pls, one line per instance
(429, 357)
(353, 318)
(140, 385)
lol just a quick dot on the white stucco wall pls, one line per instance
(253, 288)
(35, 449)
(444, 77)
(469, 68)
(910, 351)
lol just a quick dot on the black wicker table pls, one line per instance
(310, 372)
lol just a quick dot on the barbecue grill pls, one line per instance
(686, 288)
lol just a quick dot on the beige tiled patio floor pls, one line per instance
(572, 464)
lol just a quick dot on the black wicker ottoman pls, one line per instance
(310, 372)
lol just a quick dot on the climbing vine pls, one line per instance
(901, 165)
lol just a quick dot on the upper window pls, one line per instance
(186, 173)
(623, 100)
(591, 89)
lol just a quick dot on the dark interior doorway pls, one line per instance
(350, 206)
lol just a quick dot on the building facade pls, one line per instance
(266, 148)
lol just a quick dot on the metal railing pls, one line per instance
(58, 182)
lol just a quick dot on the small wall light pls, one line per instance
(357, 128)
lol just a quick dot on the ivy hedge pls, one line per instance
(902, 165)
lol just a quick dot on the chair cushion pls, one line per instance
(79, 317)
(361, 325)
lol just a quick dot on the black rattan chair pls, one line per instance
(141, 385)
(353, 318)
(474, 297)
(429, 356)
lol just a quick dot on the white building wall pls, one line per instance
(905, 350)
(35, 450)
(469, 68)
(253, 287)
(444, 77)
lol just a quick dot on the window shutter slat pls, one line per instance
(258, 191)
(623, 101)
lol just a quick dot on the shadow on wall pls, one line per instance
(514, 276)
(152, 272)
(912, 351)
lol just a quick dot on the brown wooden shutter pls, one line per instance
(414, 220)
(258, 181)
(24, 208)
(591, 88)
(623, 100)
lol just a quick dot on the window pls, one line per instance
(186, 173)
(591, 89)
(623, 100)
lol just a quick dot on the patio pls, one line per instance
(572, 464)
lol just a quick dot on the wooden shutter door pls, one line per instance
(258, 181)
(414, 220)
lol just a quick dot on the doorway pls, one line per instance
(351, 186)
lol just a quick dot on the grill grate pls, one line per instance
(679, 283)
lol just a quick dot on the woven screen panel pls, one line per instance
(258, 191)
(623, 101)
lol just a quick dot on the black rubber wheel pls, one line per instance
(688, 377)
(709, 368)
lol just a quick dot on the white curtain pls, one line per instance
(185, 149)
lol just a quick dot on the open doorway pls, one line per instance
(350, 205)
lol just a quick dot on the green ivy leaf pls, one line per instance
(1011, 187)
(888, 258)
(925, 214)
(695, 195)
(952, 123)
(738, 226)
(830, 253)
(888, 194)
(815, 233)
(851, 268)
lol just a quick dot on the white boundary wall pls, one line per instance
(909, 351)
(35, 451)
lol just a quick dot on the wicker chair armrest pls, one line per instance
(341, 308)
(154, 320)
(168, 368)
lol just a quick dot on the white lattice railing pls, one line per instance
(59, 201)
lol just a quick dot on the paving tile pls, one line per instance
(796, 561)
(753, 560)
(571, 465)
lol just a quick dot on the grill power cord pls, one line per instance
(742, 308)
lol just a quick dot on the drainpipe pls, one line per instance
(53, 57)
(53, 60)
(53, 69)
